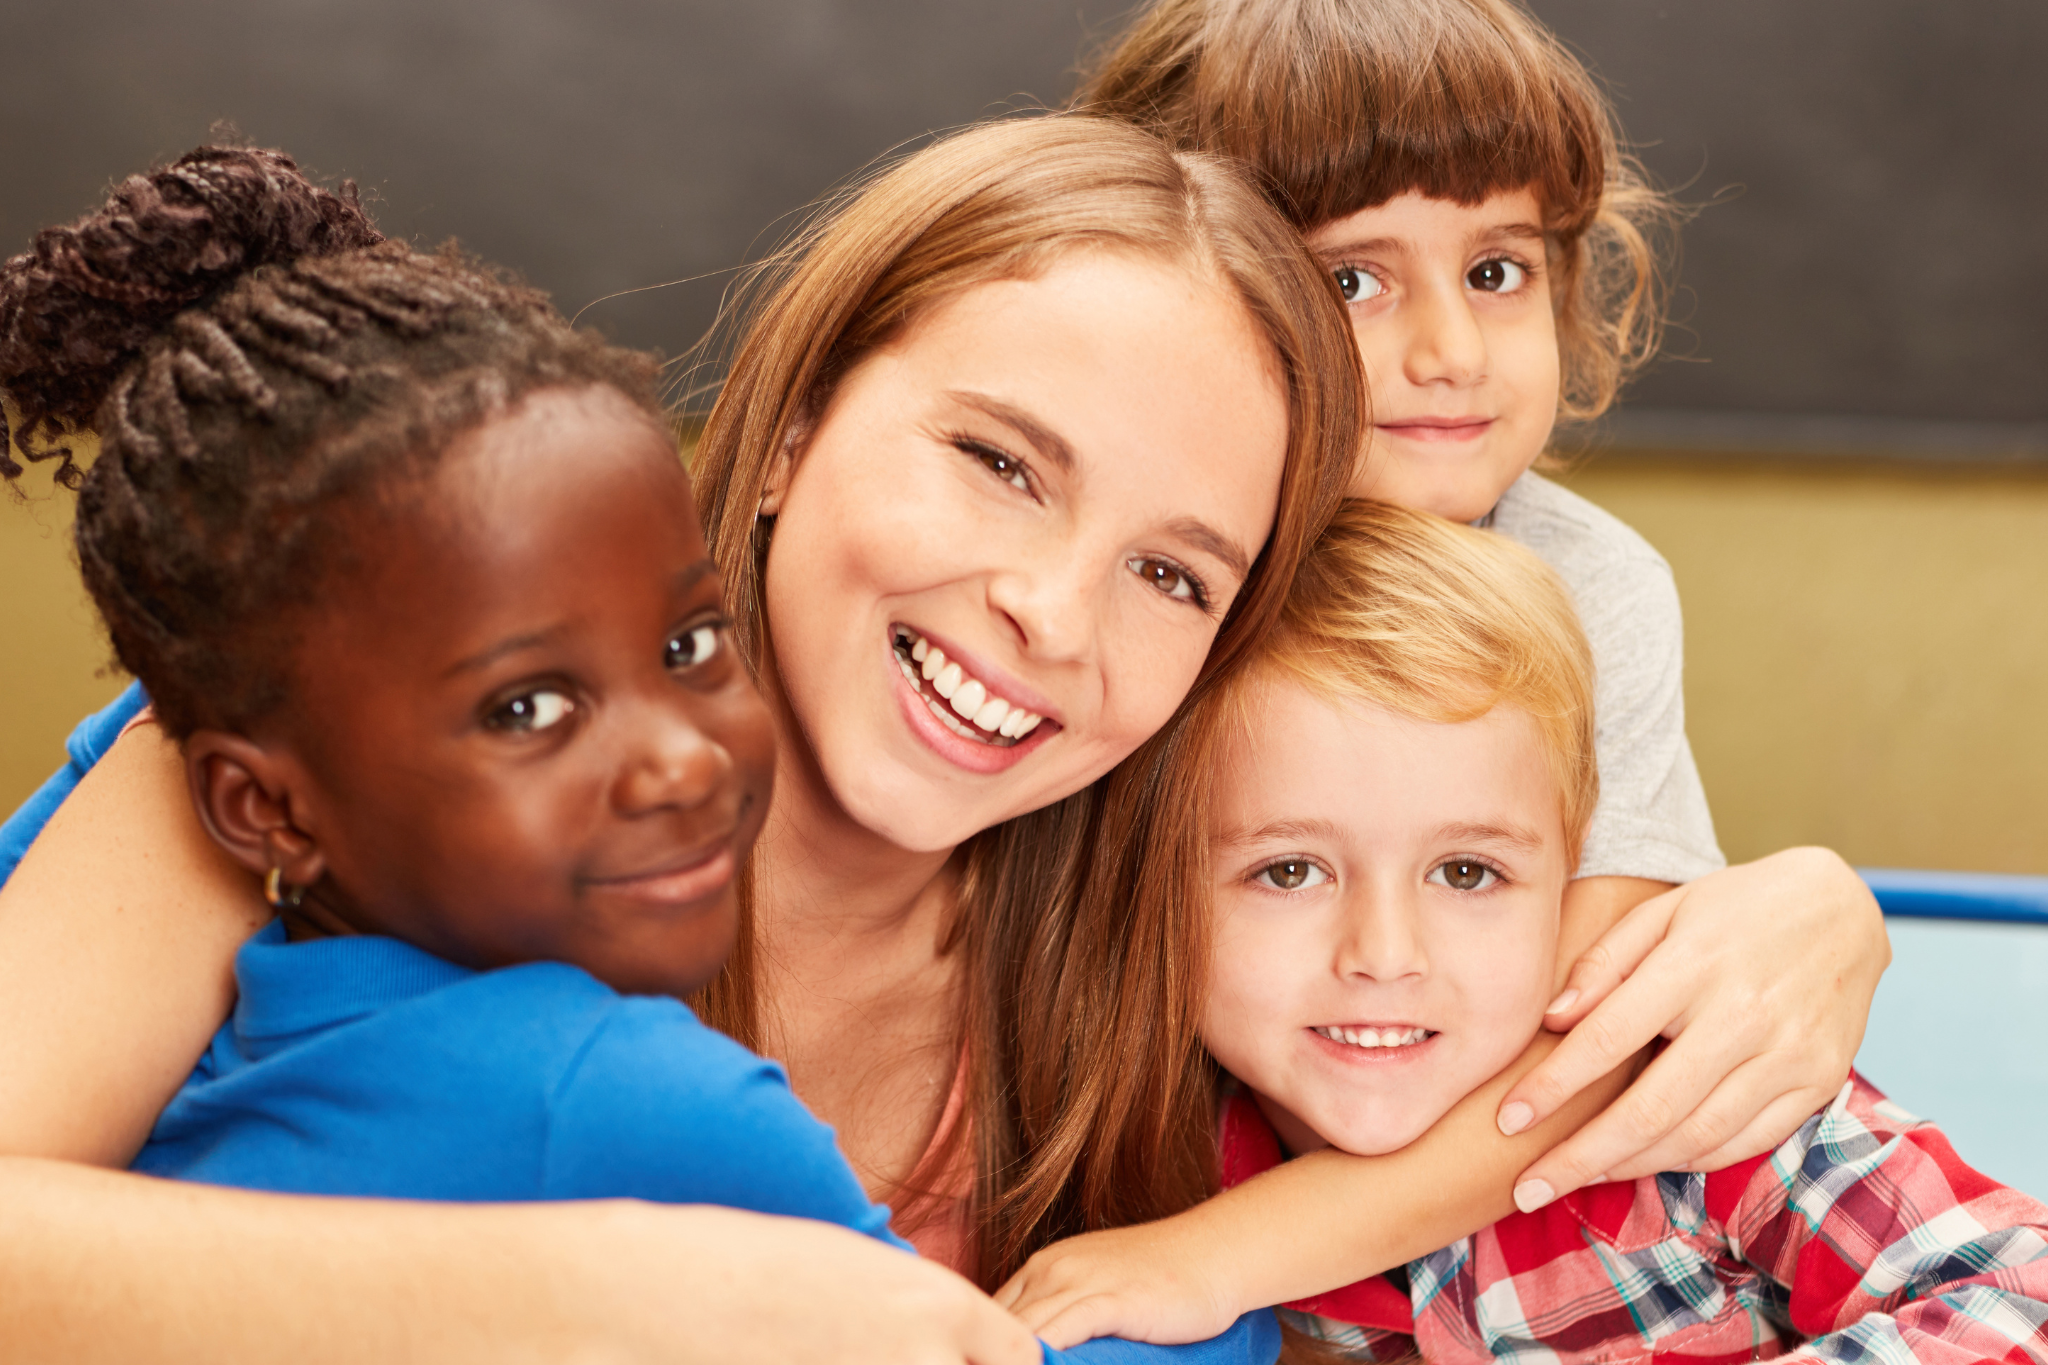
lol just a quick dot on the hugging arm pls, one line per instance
(117, 938)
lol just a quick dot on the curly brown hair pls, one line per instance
(1342, 105)
(249, 350)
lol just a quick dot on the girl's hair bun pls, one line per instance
(85, 299)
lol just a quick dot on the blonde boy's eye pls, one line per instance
(1357, 285)
(1497, 276)
(541, 709)
(1291, 874)
(1462, 874)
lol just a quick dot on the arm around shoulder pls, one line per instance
(117, 940)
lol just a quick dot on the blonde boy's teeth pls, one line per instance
(967, 698)
(920, 649)
(1373, 1037)
(949, 679)
(933, 662)
(992, 714)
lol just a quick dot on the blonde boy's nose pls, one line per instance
(1379, 940)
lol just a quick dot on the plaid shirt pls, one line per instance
(1863, 1238)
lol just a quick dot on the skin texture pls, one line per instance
(1381, 873)
(554, 755)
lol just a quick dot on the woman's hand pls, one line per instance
(1160, 1282)
(105, 1267)
(1760, 975)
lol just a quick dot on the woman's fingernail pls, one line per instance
(1564, 1001)
(1597, 1180)
(1513, 1118)
(1532, 1195)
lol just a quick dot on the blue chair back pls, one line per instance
(1959, 1030)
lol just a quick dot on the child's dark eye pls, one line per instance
(1291, 874)
(528, 712)
(1463, 874)
(1497, 276)
(694, 647)
(1357, 285)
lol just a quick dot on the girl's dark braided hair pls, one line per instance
(249, 349)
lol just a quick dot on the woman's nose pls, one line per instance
(1378, 938)
(1445, 343)
(1049, 598)
(670, 763)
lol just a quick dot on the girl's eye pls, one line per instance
(1169, 578)
(1462, 874)
(1291, 874)
(529, 712)
(1358, 285)
(1497, 276)
(693, 648)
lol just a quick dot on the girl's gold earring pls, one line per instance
(280, 896)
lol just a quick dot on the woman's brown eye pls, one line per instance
(1461, 874)
(1004, 467)
(1166, 577)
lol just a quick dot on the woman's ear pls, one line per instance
(793, 442)
(245, 798)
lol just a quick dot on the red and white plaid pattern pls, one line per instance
(1862, 1238)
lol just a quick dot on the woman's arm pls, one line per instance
(118, 934)
(118, 1268)
(1326, 1220)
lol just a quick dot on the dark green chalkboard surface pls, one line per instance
(1872, 261)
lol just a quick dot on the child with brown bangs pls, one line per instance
(1376, 820)
(1459, 171)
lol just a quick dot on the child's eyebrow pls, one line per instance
(1514, 836)
(1283, 831)
(485, 657)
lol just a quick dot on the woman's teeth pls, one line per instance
(1374, 1037)
(993, 719)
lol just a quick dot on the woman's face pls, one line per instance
(1002, 554)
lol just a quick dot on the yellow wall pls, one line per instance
(1866, 652)
(52, 653)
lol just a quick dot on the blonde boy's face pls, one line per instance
(1387, 896)
(1451, 306)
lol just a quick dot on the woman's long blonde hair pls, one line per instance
(1077, 1031)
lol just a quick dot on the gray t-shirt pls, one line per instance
(1652, 820)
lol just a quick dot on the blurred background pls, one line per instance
(1845, 455)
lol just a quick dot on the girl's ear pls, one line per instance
(244, 795)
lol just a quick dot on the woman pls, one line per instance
(1046, 400)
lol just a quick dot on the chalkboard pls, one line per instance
(1873, 170)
